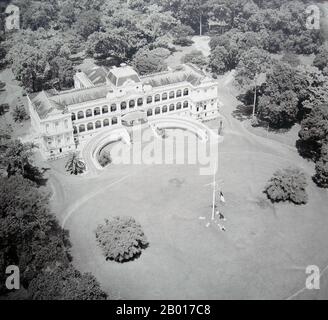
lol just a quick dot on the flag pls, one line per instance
(222, 197)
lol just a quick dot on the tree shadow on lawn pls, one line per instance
(243, 112)
(264, 203)
(133, 258)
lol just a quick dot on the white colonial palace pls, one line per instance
(108, 98)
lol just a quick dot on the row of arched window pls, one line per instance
(166, 108)
(131, 104)
(150, 112)
(98, 124)
(165, 95)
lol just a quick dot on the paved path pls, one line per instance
(13, 90)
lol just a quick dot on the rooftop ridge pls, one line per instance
(154, 74)
(41, 99)
(82, 89)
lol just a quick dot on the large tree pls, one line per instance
(31, 238)
(279, 111)
(29, 234)
(39, 60)
(321, 168)
(16, 158)
(314, 132)
(121, 239)
(191, 12)
(65, 283)
(35, 14)
(321, 59)
(253, 63)
(290, 94)
(88, 22)
(150, 61)
(156, 24)
(107, 44)
(287, 185)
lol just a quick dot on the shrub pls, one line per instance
(4, 108)
(19, 114)
(105, 159)
(195, 57)
(151, 61)
(321, 168)
(183, 42)
(121, 239)
(182, 30)
(287, 185)
(74, 164)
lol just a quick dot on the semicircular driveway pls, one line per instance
(92, 147)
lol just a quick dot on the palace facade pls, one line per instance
(105, 98)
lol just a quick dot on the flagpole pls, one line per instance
(213, 200)
(216, 168)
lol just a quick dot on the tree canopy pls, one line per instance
(287, 185)
(150, 61)
(31, 238)
(314, 131)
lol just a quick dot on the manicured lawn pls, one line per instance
(263, 253)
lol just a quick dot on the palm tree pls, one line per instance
(74, 164)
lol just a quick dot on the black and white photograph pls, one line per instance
(163, 150)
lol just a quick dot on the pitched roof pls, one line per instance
(46, 102)
(183, 73)
(43, 105)
(97, 75)
(119, 76)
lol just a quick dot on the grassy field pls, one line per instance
(263, 254)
